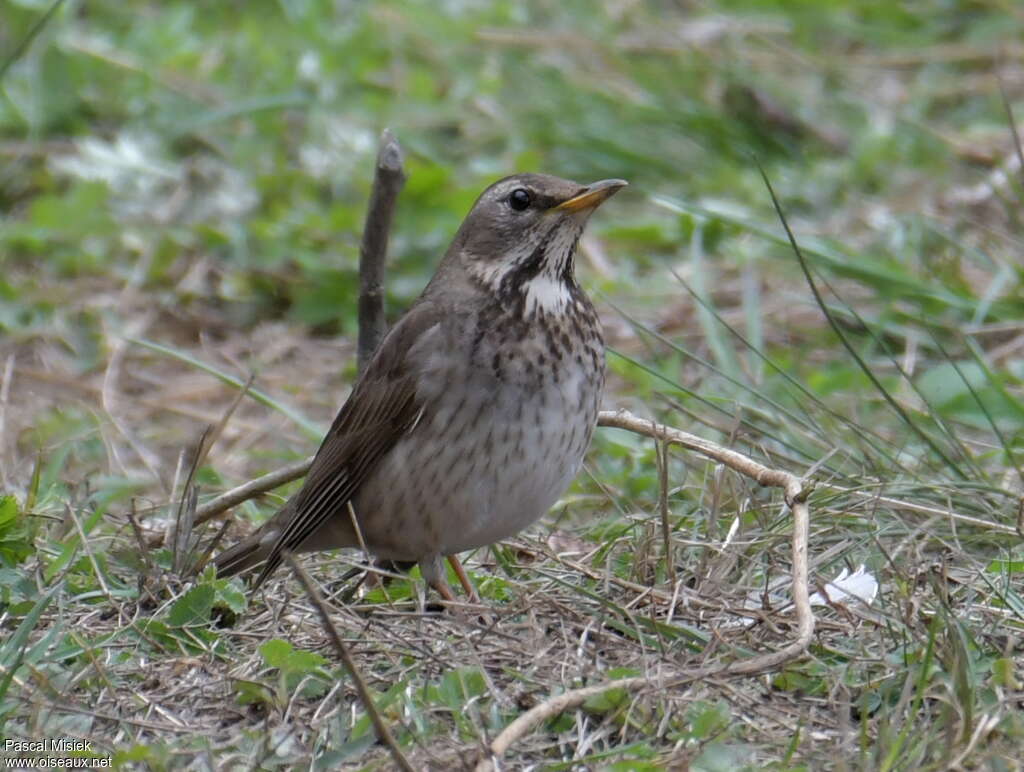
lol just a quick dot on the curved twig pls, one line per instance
(796, 498)
(623, 419)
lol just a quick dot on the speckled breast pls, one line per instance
(508, 414)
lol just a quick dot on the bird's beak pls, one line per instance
(591, 196)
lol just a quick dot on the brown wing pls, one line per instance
(382, 407)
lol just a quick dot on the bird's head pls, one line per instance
(519, 239)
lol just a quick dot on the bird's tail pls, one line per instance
(253, 552)
(242, 557)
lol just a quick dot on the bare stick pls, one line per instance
(387, 184)
(379, 727)
(251, 490)
(623, 419)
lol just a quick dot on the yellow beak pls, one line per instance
(592, 196)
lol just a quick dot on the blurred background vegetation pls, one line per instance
(194, 175)
(138, 136)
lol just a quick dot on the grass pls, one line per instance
(182, 190)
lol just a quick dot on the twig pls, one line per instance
(251, 490)
(795, 497)
(186, 521)
(387, 184)
(379, 727)
(623, 419)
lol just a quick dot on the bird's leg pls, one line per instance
(467, 585)
(444, 590)
(433, 572)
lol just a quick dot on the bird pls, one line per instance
(474, 414)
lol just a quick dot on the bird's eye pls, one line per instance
(519, 199)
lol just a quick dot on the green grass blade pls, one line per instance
(308, 427)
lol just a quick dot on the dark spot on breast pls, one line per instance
(552, 345)
(481, 406)
(481, 332)
(463, 478)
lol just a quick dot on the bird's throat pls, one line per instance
(547, 295)
(543, 281)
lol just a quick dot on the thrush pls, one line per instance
(474, 414)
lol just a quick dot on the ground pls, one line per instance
(183, 190)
